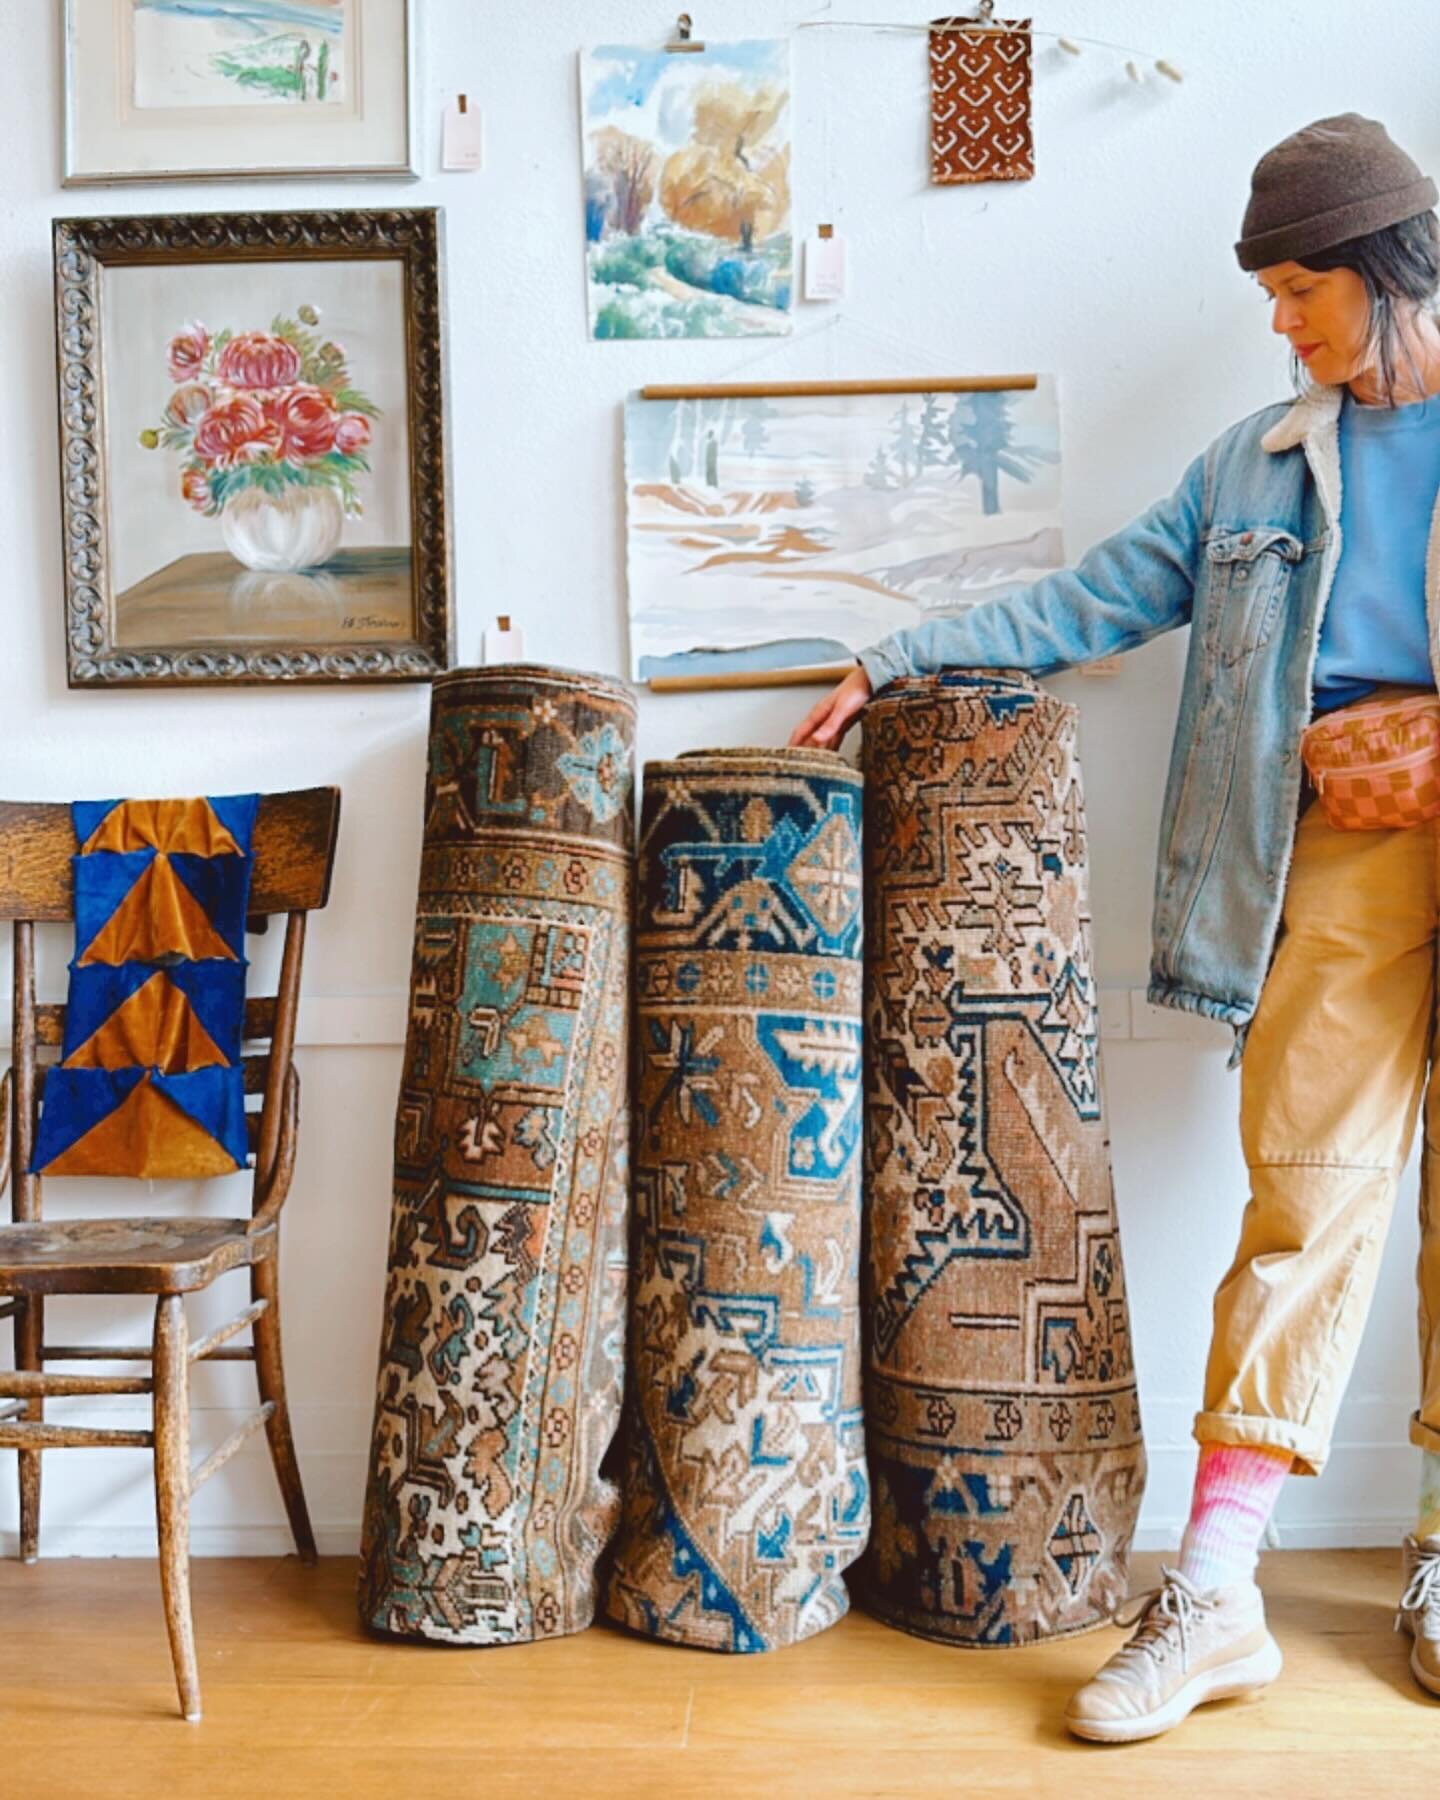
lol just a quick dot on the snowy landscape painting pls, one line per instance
(784, 532)
(687, 190)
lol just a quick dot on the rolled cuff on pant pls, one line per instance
(1423, 1436)
(1305, 1444)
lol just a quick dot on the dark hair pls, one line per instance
(1400, 267)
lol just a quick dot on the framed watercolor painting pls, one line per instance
(167, 90)
(252, 447)
(774, 531)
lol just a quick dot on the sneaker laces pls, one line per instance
(1423, 1589)
(1163, 1616)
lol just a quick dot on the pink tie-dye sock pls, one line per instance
(1235, 1494)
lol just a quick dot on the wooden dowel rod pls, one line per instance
(131, 1353)
(24, 1384)
(9, 1308)
(218, 1458)
(30, 1436)
(779, 390)
(756, 678)
(206, 1346)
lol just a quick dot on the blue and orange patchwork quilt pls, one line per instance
(150, 1082)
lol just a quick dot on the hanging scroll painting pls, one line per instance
(687, 190)
(773, 535)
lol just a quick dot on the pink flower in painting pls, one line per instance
(187, 352)
(190, 401)
(259, 359)
(236, 431)
(306, 419)
(352, 433)
(250, 412)
(195, 487)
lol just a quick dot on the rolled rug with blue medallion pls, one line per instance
(745, 1494)
(1001, 1411)
(501, 1352)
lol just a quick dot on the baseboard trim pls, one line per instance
(106, 1541)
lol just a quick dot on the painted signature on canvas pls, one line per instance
(237, 52)
(272, 437)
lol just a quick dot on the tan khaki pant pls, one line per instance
(1335, 1065)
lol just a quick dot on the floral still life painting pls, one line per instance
(687, 190)
(272, 438)
(253, 425)
(238, 52)
(787, 532)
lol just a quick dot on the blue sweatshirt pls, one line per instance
(1374, 628)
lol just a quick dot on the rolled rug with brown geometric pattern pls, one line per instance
(745, 1493)
(501, 1355)
(1002, 1422)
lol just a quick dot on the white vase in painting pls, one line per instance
(277, 534)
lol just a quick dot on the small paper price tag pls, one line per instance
(825, 266)
(462, 145)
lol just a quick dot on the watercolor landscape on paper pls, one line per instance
(238, 52)
(687, 190)
(775, 533)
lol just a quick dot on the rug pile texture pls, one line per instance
(1001, 1415)
(745, 1490)
(502, 1354)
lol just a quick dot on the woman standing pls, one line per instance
(1303, 548)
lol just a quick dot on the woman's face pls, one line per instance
(1326, 318)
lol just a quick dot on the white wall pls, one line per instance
(1112, 269)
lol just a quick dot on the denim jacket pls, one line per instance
(1245, 551)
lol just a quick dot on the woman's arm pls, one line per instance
(1133, 585)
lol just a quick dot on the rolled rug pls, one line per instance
(501, 1353)
(1001, 1411)
(745, 1493)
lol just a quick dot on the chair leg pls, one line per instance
(270, 1374)
(171, 1370)
(29, 1336)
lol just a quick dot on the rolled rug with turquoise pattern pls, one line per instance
(501, 1352)
(1000, 1403)
(745, 1493)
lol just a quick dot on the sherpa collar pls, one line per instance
(1306, 418)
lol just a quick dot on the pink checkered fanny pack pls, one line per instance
(1376, 766)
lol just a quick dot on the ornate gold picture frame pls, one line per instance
(253, 447)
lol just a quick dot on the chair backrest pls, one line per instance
(294, 854)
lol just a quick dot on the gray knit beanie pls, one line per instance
(1337, 179)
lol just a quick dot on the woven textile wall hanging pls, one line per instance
(980, 101)
(1001, 1412)
(501, 1356)
(150, 1081)
(745, 1492)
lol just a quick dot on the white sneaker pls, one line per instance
(1419, 1612)
(1190, 1646)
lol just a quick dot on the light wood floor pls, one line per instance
(299, 1703)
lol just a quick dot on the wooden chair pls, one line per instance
(294, 848)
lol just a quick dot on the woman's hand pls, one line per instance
(829, 719)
